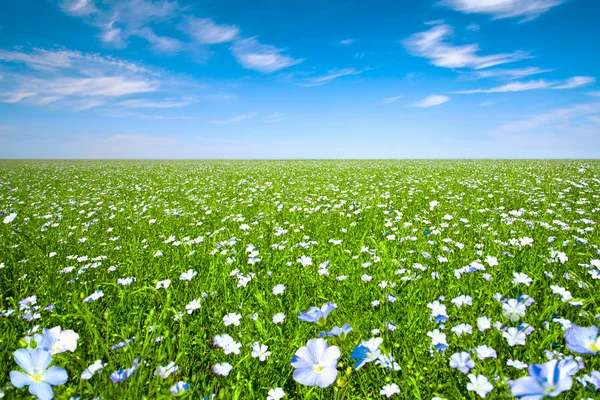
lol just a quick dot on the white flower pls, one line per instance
(163, 284)
(278, 318)
(10, 218)
(389, 390)
(57, 341)
(276, 394)
(305, 261)
(521, 278)
(278, 289)
(192, 306)
(188, 275)
(480, 385)
(483, 323)
(260, 351)
(232, 319)
(92, 369)
(513, 336)
(222, 369)
(513, 310)
(165, 372)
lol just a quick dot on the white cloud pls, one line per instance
(275, 117)
(160, 44)
(110, 86)
(88, 104)
(594, 94)
(528, 9)
(205, 31)
(139, 140)
(432, 100)
(473, 27)
(390, 100)
(142, 103)
(431, 44)
(16, 97)
(347, 41)
(511, 87)
(119, 20)
(42, 60)
(554, 116)
(332, 74)
(576, 82)
(237, 118)
(78, 8)
(514, 73)
(487, 103)
(251, 54)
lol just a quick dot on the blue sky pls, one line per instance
(299, 79)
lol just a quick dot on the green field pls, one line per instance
(380, 239)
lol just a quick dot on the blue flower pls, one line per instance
(337, 331)
(462, 362)
(179, 387)
(316, 364)
(316, 314)
(37, 375)
(549, 379)
(122, 374)
(366, 352)
(583, 340)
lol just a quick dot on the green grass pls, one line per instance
(110, 204)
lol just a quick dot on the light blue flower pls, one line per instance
(583, 340)
(366, 352)
(316, 364)
(549, 379)
(37, 375)
(462, 362)
(179, 387)
(122, 374)
(337, 331)
(316, 314)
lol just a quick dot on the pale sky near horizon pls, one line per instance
(299, 79)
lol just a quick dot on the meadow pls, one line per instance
(299, 279)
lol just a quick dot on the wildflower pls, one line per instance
(192, 306)
(461, 329)
(583, 340)
(438, 311)
(316, 364)
(232, 319)
(165, 372)
(188, 275)
(549, 379)
(163, 284)
(276, 394)
(513, 310)
(484, 352)
(521, 279)
(37, 376)
(516, 364)
(260, 351)
(480, 385)
(366, 352)
(438, 339)
(278, 318)
(222, 369)
(337, 331)
(462, 301)
(56, 340)
(94, 296)
(389, 390)
(125, 281)
(179, 387)
(10, 218)
(513, 336)
(305, 261)
(483, 323)
(462, 362)
(278, 289)
(319, 316)
(91, 370)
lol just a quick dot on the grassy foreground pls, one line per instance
(90, 245)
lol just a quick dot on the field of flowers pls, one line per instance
(299, 279)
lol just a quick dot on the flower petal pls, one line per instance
(20, 379)
(56, 376)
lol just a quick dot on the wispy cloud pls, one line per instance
(431, 101)
(161, 44)
(139, 140)
(120, 20)
(275, 117)
(390, 100)
(237, 118)
(431, 44)
(331, 75)
(514, 73)
(142, 103)
(575, 82)
(558, 115)
(511, 87)
(205, 31)
(347, 41)
(527, 9)
(251, 54)
(571, 83)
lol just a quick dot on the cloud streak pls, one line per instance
(251, 54)
(432, 101)
(236, 119)
(527, 9)
(558, 115)
(432, 45)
